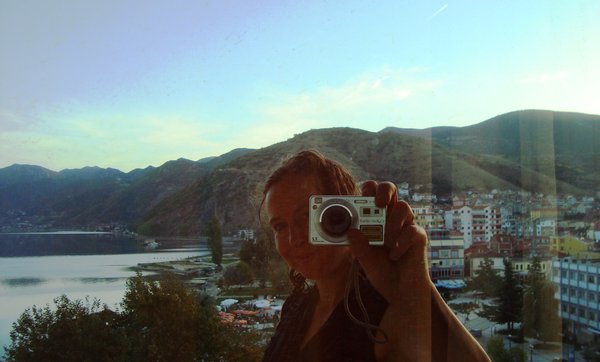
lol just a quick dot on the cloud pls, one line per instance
(119, 141)
(444, 7)
(375, 96)
(542, 78)
(370, 101)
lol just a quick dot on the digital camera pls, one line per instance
(330, 218)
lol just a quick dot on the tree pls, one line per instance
(71, 331)
(259, 254)
(508, 302)
(540, 308)
(162, 312)
(486, 279)
(215, 240)
(238, 274)
(498, 353)
(160, 321)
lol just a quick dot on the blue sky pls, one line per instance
(128, 84)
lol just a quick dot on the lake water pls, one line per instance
(36, 268)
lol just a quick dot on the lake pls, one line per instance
(35, 268)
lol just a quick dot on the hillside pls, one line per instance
(91, 196)
(539, 151)
(233, 192)
(557, 144)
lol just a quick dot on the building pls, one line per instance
(521, 266)
(247, 234)
(427, 218)
(403, 190)
(578, 291)
(568, 245)
(476, 261)
(475, 223)
(445, 255)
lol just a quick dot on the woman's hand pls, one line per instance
(398, 271)
(401, 262)
(418, 323)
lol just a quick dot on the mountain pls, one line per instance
(21, 174)
(91, 195)
(558, 144)
(214, 162)
(539, 151)
(233, 191)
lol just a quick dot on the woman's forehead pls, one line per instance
(293, 188)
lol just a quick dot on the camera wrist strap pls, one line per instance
(354, 280)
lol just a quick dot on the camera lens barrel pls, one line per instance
(336, 220)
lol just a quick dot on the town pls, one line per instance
(561, 233)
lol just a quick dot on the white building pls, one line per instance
(545, 227)
(247, 234)
(475, 223)
(427, 218)
(416, 197)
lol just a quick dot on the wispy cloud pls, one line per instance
(124, 142)
(542, 78)
(370, 101)
(439, 11)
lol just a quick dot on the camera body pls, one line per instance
(331, 216)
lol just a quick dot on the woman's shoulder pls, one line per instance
(298, 301)
(295, 317)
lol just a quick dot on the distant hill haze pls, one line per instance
(539, 151)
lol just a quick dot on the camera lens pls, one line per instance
(336, 220)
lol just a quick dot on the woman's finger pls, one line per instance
(368, 188)
(386, 195)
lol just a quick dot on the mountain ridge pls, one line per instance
(178, 197)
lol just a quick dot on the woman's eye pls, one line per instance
(278, 227)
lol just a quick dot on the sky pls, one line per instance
(128, 84)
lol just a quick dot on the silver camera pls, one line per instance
(330, 218)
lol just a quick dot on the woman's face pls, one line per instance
(287, 206)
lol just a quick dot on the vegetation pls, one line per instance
(215, 240)
(465, 308)
(486, 279)
(160, 321)
(508, 301)
(540, 308)
(238, 274)
(72, 331)
(258, 253)
(264, 261)
(498, 353)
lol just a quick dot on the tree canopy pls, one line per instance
(540, 308)
(508, 302)
(486, 279)
(215, 240)
(160, 321)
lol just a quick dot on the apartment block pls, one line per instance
(445, 255)
(578, 291)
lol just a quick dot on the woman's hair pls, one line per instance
(334, 179)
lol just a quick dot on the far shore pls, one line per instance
(64, 232)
